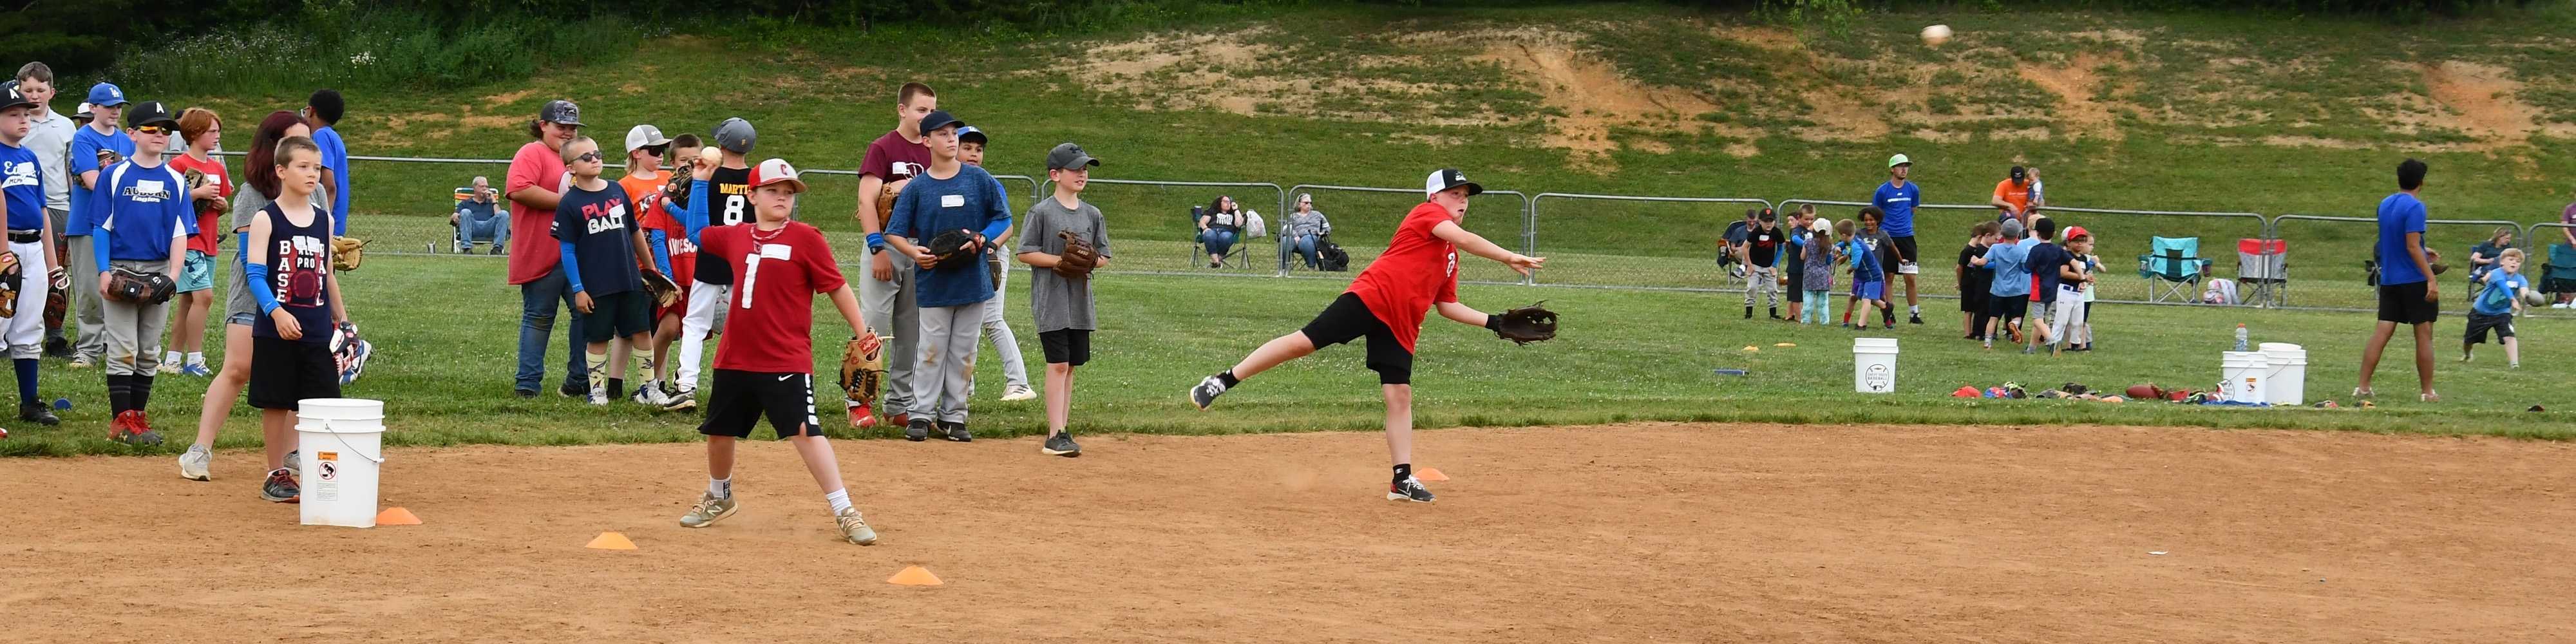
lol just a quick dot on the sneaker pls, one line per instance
(917, 431)
(57, 347)
(166, 369)
(955, 433)
(2431, 397)
(649, 393)
(860, 416)
(1914, 318)
(1060, 444)
(709, 510)
(1206, 391)
(2362, 392)
(195, 463)
(2029, 350)
(196, 369)
(1409, 489)
(598, 393)
(129, 428)
(855, 528)
(1018, 392)
(293, 463)
(679, 398)
(82, 362)
(38, 413)
(280, 487)
(572, 389)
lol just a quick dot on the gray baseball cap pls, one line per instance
(644, 136)
(1068, 155)
(735, 135)
(2012, 229)
(560, 112)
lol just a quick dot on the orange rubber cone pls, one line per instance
(396, 516)
(914, 576)
(1786, 344)
(610, 541)
(1430, 474)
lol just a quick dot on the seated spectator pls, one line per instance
(1220, 226)
(2484, 255)
(480, 217)
(1730, 245)
(1305, 230)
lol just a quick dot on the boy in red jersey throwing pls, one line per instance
(1418, 272)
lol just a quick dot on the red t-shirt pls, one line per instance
(210, 233)
(1417, 270)
(675, 235)
(776, 275)
(534, 166)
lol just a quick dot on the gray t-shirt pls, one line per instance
(1061, 303)
(247, 202)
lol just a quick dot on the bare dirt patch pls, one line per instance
(1594, 96)
(509, 97)
(2483, 99)
(2075, 84)
(1665, 532)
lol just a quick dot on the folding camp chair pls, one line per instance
(1240, 257)
(466, 237)
(2173, 269)
(2262, 271)
(2559, 275)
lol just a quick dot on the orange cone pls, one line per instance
(610, 541)
(396, 516)
(1786, 344)
(914, 576)
(1430, 474)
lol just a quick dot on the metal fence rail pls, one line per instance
(1655, 271)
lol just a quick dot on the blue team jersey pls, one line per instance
(23, 184)
(335, 155)
(1898, 204)
(141, 210)
(84, 158)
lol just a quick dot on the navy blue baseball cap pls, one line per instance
(939, 119)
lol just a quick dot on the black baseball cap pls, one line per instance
(2019, 173)
(1770, 215)
(151, 113)
(1068, 155)
(12, 98)
(1446, 178)
(938, 119)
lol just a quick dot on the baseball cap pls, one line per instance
(735, 135)
(2019, 173)
(969, 133)
(775, 171)
(938, 119)
(12, 98)
(83, 114)
(106, 95)
(1770, 215)
(1899, 160)
(2072, 231)
(1067, 155)
(151, 113)
(561, 112)
(2012, 229)
(644, 136)
(1446, 178)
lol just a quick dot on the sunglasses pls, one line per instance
(155, 129)
(656, 150)
(592, 155)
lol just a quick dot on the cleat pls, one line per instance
(1205, 393)
(1060, 444)
(918, 430)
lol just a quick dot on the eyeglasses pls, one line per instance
(154, 129)
(592, 155)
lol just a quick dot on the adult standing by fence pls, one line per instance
(50, 137)
(535, 186)
(2407, 293)
(2013, 195)
(1896, 199)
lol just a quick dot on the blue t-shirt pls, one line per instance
(598, 228)
(140, 210)
(2399, 214)
(2044, 260)
(2012, 270)
(1898, 203)
(24, 185)
(1864, 262)
(2497, 297)
(970, 200)
(84, 158)
(335, 155)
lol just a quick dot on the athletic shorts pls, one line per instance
(1869, 290)
(1974, 301)
(2404, 304)
(617, 315)
(1347, 319)
(197, 272)
(284, 372)
(2479, 324)
(1904, 244)
(2007, 307)
(1066, 346)
(1797, 280)
(738, 399)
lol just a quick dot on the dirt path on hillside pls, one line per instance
(1652, 533)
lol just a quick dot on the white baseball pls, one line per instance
(711, 155)
(1935, 35)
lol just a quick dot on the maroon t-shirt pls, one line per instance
(893, 159)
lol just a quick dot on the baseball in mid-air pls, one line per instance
(1934, 35)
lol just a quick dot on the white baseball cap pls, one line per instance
(775, 171)
(1446, 178)
(644, 136)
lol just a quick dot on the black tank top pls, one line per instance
(298, 258)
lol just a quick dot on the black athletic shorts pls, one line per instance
(2480, 324)
(1905, 244)
(2007, 307)
(283, 372)
(738, 399)
(617, 315)
(2404, 304)
(1797, 283)
(1066, 346)
(1349, 319)
(1975, 301)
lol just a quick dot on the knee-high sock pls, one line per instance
(26, 380)
(142, 396)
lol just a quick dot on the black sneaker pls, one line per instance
(955, 433)
(38, 413)
(575, 390)
(917, 431)
(1748, 312)
(1913, 318)
(1206, 391)
(280, 487)
(1409, 489)
(524, 393)
(1060, 445)
(57, 347)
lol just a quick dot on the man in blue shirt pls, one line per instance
(1897, 199)
(107, 110)
(2407, 293)
(321, 113)
(949, 196)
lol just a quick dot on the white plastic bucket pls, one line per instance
(1874, 365)
(2240, 375)
(2285, 381)
(341, 440)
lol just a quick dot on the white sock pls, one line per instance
(197, 358)
(169, 357)
(721, 488)
(840, 500)
(1916, 309)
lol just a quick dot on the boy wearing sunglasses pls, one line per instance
(643, 185)
(603, 244)
(143, 224)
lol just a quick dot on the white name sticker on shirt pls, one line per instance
(952, 201)
(775, 251)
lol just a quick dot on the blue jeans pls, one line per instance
(1217, 241)
(496, 229)
(1304, 245)
(537, 319)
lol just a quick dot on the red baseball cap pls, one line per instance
(2072, 231)
(775, 171)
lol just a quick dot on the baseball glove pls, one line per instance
(665, 292)
(12, 276)
(862, 366)
(58, 299)
(346, 252)
(148, 287)
(678, 189)
(885, 205)
(1525, 325)
(1078, 258)
(953, 247)
(198, 179)
(107, 157)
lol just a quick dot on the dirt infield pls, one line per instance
(1651, 533)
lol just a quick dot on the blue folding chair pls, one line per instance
(2173, 269)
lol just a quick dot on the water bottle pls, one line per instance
(2240, 336)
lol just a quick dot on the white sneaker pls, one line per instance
(1019, 392)
(649, 393)
(681, 398)
(599, 391)
(195, 463)
(167, 369)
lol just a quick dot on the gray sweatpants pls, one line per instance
(945, 374)
(1761, 279)
(133, 329)
(888, 307)
(85, 303)
(1006, 345)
